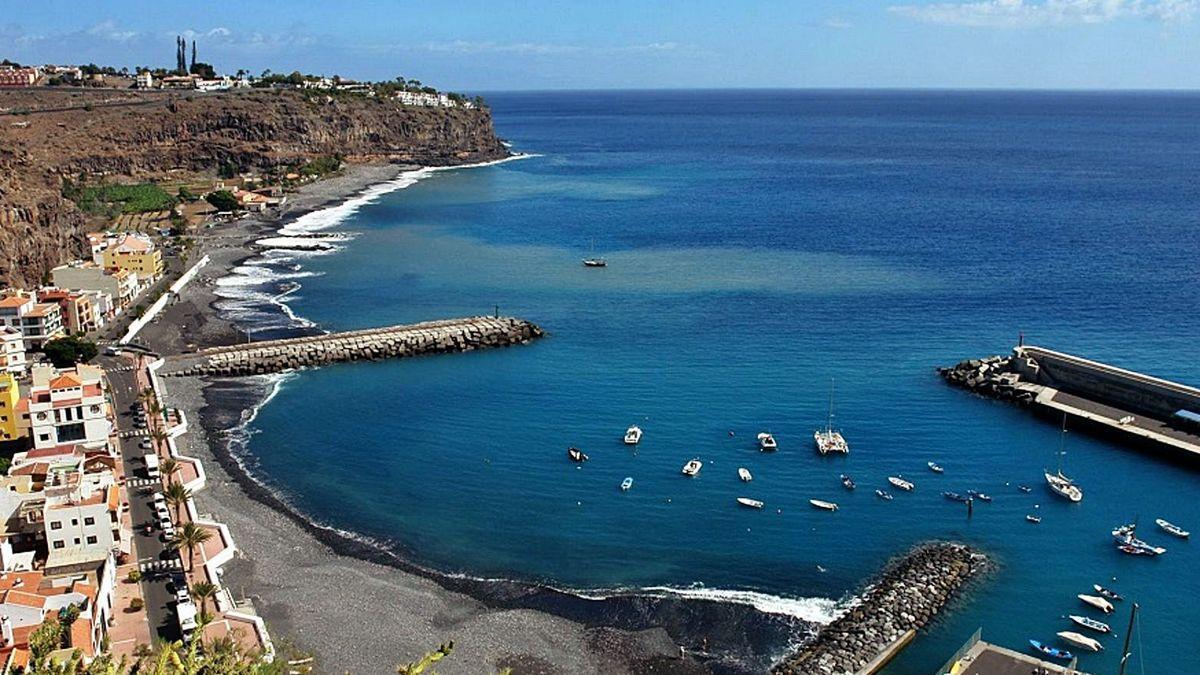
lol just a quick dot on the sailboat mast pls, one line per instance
(1128, 634)
(1062, 443)
(829, 422)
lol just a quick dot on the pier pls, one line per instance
(1130, 406)
(432, 337)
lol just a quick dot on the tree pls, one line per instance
(193, 69)
(66, 352)
(177, 496)
(425, 665)
(201, 591)
(169, 466)
(189, 537)
(222, 200)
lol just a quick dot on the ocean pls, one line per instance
(763, 247)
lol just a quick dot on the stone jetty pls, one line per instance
(994, 376)
(432, 337)
(909, 593)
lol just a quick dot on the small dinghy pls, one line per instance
(821, 504)
(1107, 593)
(1130, 549)
(1097, 602)
(576, 455)
(954, 496)
(1025, 488)
(766, 442)
(883, 495)
(1071, 637)
(744, 474)
(1090, 623)
(1172, 528)
(752, 503)
(935, 467)
(626, 484)
(1052, 652)
(633, 435)
(692, 467)
(979, 495)
(847, 482)
(1033, 519)
(901, 483)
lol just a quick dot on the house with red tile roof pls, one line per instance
(68, 406)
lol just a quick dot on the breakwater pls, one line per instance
(910, 592)
(431, 337)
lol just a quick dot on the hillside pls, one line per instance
(119, 136)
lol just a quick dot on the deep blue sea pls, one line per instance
(760, 245)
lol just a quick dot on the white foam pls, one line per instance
(812, 610)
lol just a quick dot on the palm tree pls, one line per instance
(177, 496)
(202, 591)
(169, 466)
(189, 537)
(146, 395)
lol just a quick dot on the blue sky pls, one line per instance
(474, 45)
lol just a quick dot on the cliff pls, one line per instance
(120, 135)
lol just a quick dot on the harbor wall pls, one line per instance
(432, 337)
(910, 592)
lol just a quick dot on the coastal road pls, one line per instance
(149, 548)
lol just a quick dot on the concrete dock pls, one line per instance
(977, 657)
(1132, 407)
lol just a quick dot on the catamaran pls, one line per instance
(744, 474)
(1172, 528)
(1089, 622)
(1071, 637)
(633, 435)
(752, 503)
(822, 504)
(901, 483)
(766, 442)
(1058, 482)
(830, 440)
(692, 467)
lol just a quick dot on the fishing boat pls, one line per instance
(766, 442)
(1097, 602)
(979, 495)
(1090, 623)
(1172, 528)
(626, 484)
(1126, 535)
(883, 495)
(847, 482)
(821, 504)
(1059, 483)
(1033, 519)
(829, 439)
(692, 467)
(1052, 652)
(935, 467)
(901, 483)
(1106, 593)
(744, 474)
(592, 260)
(633, 435)
(752, 503)
(954, 496)
(1025, 488)
(1071, 637)
(576, 455)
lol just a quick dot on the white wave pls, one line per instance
(812, 610)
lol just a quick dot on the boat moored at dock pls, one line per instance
(633, 435)
(626, 484)
(576, 455)
(751, 503)
(744, 474)
(899, 482)
(1090, 623)
(766, 442)
(935, 467)
(829, 439)
(1096, 601)
(822, 504)
(1172, 528)
(1052, 652)
(1079, 640)
(692, 467)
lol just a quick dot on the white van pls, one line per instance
(151, 465)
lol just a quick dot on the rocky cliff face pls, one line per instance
(153, 136)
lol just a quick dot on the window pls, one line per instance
(56, 525)
(74, 522)
(89, 521)
(58, 544)
(91, 540)
(76, 541)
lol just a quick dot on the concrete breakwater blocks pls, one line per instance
(910, 591)
(432, 337)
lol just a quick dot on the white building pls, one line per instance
(38, 322)
(68, 407)
(120, 285)
(82, 516)
(145, 80)
(12, 350)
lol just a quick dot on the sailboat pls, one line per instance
(1059, 483)
(592, 260)
(830, 440)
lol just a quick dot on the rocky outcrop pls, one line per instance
(432, 337)
(994, 376)
(909, 594)
(154, 136)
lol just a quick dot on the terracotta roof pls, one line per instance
(13, 301)
(24, 598)
(65, 449)
(65, 381)
(42, 309)
(134, 244)
(33, 469)
(81, 636)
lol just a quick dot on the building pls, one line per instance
(82, 517)
(38, 322)
(178, 82)
(136, 254)
(18, 77)
(68, 406)
(145, 80)
(28, 598)
(10, 397)
(12, 351)
(253, 201)
(76, 309)
(120, 286)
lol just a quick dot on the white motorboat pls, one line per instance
(1033, 519)
(1078, 640)
(1107, 593)
(692, 467)
(633, 435)
(1090, 623)
(821, 504)
(1097, 602)
(744, 474)
(626, 484)
(935, 467)
(829, 439)
(899, 482)
(1172, 528)
(766, 442)
(1059, 483)
(749, 502)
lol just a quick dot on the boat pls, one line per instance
(576, 455)
(901, 483)
(633, 435)
(1107, 593)
(1089, 622)
(935, 467)
(692, 467)
(1033, 519)
(766, 442)
(626, 484)
(1025, 488)
(1059, 483)
(1126, 535)
(1097, 602)
(829, 439)
(979, 495)
(821, 504)
(954, 496)
(752, 503)
(592, 260)
(847, 482)
(1052, 652)
(1172, 528)
(744, 474)
(1071, 637)
(883, 495)
(1135, 550)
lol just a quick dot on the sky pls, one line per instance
(495, 45)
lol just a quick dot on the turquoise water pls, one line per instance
(759, 246)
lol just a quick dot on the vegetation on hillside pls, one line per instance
(112, 200)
